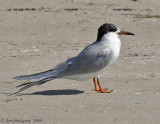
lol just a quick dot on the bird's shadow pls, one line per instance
(55, 92)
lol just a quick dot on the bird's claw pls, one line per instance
(103, 90)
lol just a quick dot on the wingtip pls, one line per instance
(19, 78)
(14, 78)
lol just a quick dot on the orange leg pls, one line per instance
(100, 89)
(94, 80)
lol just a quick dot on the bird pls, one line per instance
(88, 64)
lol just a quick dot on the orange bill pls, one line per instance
(125, 33)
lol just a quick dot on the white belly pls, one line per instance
(87, 76)
(82, 77)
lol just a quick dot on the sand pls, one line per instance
(35, 35)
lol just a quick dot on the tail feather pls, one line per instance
(45, 74)
(42, 77)
(33, 83)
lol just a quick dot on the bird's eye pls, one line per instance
(113, 29)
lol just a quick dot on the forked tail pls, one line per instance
(41, 78)
(32, 83)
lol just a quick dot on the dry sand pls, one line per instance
(35, 35)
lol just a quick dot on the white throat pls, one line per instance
(112, 41)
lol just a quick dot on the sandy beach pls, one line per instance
(36, 35)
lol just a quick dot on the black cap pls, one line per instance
(104, 29)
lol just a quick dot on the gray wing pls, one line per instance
(92, 59)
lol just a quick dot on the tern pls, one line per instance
(88, 64)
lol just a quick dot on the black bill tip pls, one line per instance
(125, 33)
(129, 33)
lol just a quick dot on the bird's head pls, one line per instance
(107, 28)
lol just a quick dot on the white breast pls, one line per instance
(112, 41)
